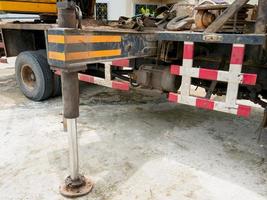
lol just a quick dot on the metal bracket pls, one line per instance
(213, 38)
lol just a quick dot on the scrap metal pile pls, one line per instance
(181, 17)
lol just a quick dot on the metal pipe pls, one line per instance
(71, 94)
(70, 91)
(73, 149)
(66, 14)
(260, 26)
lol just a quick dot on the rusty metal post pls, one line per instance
(75, 185)
(260, 27)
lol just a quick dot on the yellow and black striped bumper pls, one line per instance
(72, 47)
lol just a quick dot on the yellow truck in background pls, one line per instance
(29, 6)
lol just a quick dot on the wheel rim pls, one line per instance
(28, 77)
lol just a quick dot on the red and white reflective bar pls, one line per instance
(100, 81)
(121, 63)
(240, 110)
(236, 62)
(188, 55)
(215, 75)
(234, 77)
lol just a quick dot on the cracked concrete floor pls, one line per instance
(133, 146)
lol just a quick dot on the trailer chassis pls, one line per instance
(70, 50)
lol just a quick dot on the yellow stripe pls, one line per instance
(76, 39)
(28, 7)
(56, 39)
(56, 56)
(104, 53)
(104, 38)
(83, 55)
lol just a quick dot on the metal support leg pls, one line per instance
(75, 185)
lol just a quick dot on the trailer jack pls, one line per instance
(75, 185)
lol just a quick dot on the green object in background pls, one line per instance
(145, 11)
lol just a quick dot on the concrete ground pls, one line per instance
(133, 146)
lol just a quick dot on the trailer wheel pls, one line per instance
(56, 91)
(34, 76)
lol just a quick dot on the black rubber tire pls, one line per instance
(43, 87)
(57, 91)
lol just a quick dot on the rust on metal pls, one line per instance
(76, 188)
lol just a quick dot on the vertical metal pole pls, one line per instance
(75, 185)
(260, 26)
(73, 149)
(66, 19)
(70, 88)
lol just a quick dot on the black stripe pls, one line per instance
(56, 32)
(68, 48)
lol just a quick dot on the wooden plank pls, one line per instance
(226, 15)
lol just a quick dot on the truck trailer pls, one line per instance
(216, 46)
